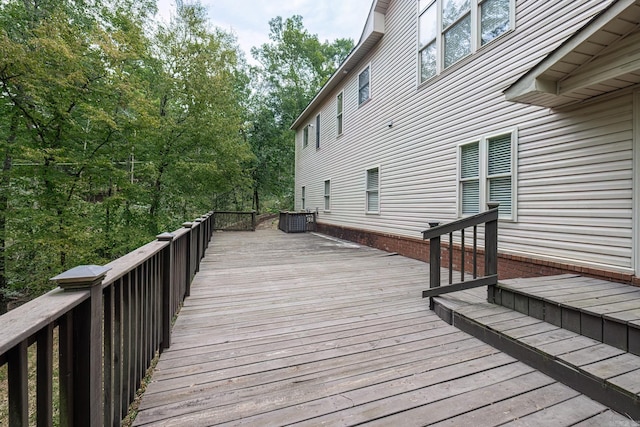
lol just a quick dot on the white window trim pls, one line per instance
(476, 35)
(366, 191)
(363, 103)
(340, 115)
(483, 172)
(305, 136)
(327, 196)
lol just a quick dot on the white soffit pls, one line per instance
(602, 57)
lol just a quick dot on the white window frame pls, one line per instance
(327, 195)
(368, 190)
(361, 103)
(483, 175)
(476, 36)
(340, 113)
(305, 136)
(303, 197)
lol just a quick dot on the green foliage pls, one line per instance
(110, 134)
(114, 128)
(198, 151)
(294, 66)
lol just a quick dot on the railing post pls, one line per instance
(210, 221)
(203, 236)
(491, 251)
(86, 381)
(198, 228)
(253, 220)
(434, 262)
(167, 279)
(187, 261)
(205, 225)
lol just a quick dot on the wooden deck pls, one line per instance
(296, 328)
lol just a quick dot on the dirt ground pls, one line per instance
(269, 222)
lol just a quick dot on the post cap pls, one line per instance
(164, 237)
(434, 223)
(187, 224)
(493, 205)
(81, 277)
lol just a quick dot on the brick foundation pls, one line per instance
(509, 266)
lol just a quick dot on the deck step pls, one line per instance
(605, 311)
(604, 372)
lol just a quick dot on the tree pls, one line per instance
(71, 102)
(294, 67)
(87, 95)
(199, 151)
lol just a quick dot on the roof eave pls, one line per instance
(373, 31)
(533, 88)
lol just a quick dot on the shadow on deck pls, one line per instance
(298, 328)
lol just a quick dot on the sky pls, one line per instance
(249, 19)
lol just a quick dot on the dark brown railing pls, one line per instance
(109, 322)
(297, 222)
(234, 221)
(490, 273)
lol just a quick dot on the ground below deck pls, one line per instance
(298, 328)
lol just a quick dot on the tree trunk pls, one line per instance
(4, 208)
(154, 209)
(256, 201)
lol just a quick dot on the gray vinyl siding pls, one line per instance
(575, 167)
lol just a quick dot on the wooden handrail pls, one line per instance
(470, 221)
(110, 323)
(490, 278)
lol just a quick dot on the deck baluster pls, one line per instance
(490, 278)
(110, 321)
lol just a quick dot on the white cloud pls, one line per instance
(249, 21)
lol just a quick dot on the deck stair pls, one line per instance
(583, 332)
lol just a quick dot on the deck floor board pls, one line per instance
(298, 328)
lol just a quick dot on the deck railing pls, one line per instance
(490, 273)
(297, 222)
(234, 221)
(109, 322)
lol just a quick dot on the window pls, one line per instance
(495, 19)
(486, 174)
(450, 30)
(339, 113)
(456, 30)
(470, 178)
(305, 136)
(303, 197)
(364, 85)
(318, 132)
(373, 190)
(327, 195)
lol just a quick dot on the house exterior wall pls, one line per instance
(575, 167)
